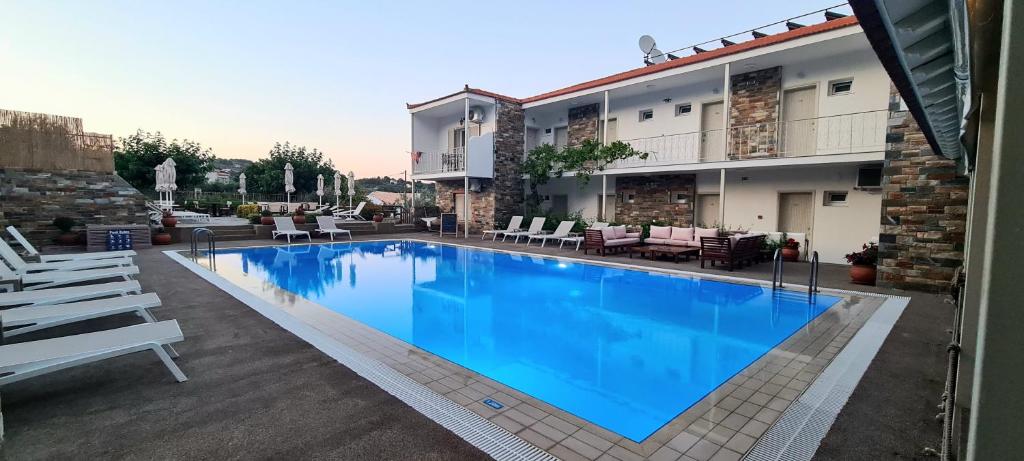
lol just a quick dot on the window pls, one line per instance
(840, 87)
(629, 197)
(835, 198)
(646, 114)
(683, 109)
(679, 197)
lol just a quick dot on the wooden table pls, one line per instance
(667, 250)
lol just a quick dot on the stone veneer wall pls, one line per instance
(509, 138)
(654, 199)
(924, 209)
(754, 100)
(583, 121)
(481, 204)
(30, 199)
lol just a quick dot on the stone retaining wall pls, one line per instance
(753, 107)
(655, 199)
(583, 122)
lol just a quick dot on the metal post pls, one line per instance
(726, 93)
(465, 164)
(412, 164)
(721, 197)
(604, 196)
(604, 177)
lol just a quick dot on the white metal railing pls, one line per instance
(837, 134)
(451, 161)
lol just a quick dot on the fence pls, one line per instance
(441, 162)
(52, 142)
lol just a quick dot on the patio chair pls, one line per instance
(33, 252)
(352, 214)
(21, 320)
(33, 358)
(513, 226)
(22, 267)
(326, 225)
(69, 294)
(562, 231)
(717, 249)
(535, 228)
(53, 279)
(286, 227)
(578, 240)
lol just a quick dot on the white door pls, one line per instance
(707, 210)
(561, 136)
(799, 129)
(796, 213)
(613, 130)
(560, 205)
(712, 133)
(608, 215)
(532, 139)
(460, 206)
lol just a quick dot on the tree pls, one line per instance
(547, 161)
(267, 175)
(137, 155)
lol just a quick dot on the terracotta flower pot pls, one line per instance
(68, 238)
(863, 274)
(791, 254)
(162, 238)
(169, 221)
(267, 220)
(378, 217)
(299, 219)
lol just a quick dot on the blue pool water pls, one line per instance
(627, 350)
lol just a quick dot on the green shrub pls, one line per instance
(266, 213)
(369, 210)
(255, 218)
(64, 223)
(247, 210)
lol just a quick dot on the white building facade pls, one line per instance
(784, 132)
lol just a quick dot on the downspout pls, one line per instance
(604, 177)
(465, 164)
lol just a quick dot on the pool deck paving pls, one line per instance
(257, 391)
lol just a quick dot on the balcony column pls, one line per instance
(726, 96)
(721, 198)
(412, 164)
(465, 164)
(604, 142)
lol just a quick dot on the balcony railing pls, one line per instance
(837, 134)
(452, 161)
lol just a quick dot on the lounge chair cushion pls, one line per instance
(622, 241)
(608, 233)
(702, 232)
(620, 232)
(661, 232)
(682, 233)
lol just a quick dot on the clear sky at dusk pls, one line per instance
(239, 76)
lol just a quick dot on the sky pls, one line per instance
(239, 76)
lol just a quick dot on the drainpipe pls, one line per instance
(726, 99)
(604, 142)
(412, 166)
(465, 164)
(721, 197)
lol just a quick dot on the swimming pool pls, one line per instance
(625, 349)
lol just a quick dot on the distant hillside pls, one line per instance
(236, 165)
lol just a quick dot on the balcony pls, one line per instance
(453, 163)
(861, 132)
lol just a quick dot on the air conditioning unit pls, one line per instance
(476, 114)
(869, 177)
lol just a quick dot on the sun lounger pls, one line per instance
(352, 214)
(22, 320)
(326, 225)
(69, 294)
(33, 252)
(52, 279)
(33, 358)
(562, 231)
(535, 228)
(513, 226)
(22, 267)
(286, 227)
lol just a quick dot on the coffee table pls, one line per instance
(668, 250)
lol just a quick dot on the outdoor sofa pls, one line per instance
(613, 239)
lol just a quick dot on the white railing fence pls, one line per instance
(450, 161)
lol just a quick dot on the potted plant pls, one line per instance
(299, 217)
(65, 224)
(168, 220)
(161, 237)
(864, 264)
(791, 250)
(378, 217)
(266, 218)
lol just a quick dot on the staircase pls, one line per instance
(239, 232)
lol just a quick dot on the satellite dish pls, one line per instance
(646, 44)
(657, 56)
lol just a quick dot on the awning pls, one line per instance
(923, 46)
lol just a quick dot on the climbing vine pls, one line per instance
(546, 161)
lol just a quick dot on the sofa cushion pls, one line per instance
(622, 241)
(693, 243)
(682, 233)
(608, 233)
(632, 235)
(702, 232)
(661, 232)
(657, 241)
(620, 232)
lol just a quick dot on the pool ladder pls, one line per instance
(211, 244)
(812, 282)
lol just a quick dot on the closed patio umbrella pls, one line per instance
(170, 178)
(160, 187)
(241, 186)
(289, 180)
(337, 188)
(320, 189)
(351, 187)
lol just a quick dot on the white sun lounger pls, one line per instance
(22, 320)
(69, 294)
(326, 225)
(578, 240)
(352, 214)
(286, 227)
(562, 231)
(33, 358)
(32, 251)
(535, 227)
(513, 226)
(22, 267)
(52, 279)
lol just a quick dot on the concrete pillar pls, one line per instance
(721, 197)
(726, 96)
(604, 142)
(465, 174)
(412, 164)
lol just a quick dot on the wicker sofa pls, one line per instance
(607, 239)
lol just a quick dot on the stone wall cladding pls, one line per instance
(753, 107)
(583, 121)
(509, 138)
(924, 210)
(654, 200)
(31, 199)
(481, 204)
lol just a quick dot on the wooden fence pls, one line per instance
(52, 143)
